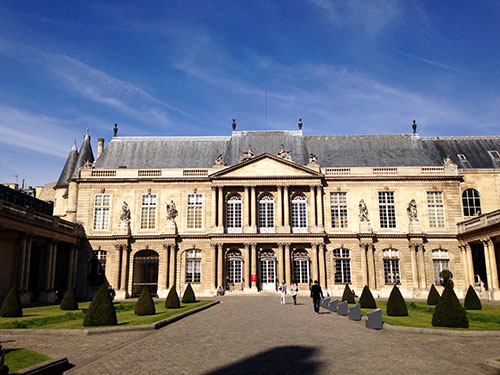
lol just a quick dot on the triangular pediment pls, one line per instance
(266, 165)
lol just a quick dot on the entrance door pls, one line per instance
(268, 274)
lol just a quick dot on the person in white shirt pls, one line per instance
(283, 290)
(293, 291)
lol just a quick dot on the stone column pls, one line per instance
(220, 211)
(371, 267)
(220, 266)
(414, 270)
(470, 264)
(319, 204)
(75, 265)
(125, 270)
(314, 261)
(53, 267)
(214, 207)
(288, 264)
(421, 267)
(313, 206)
(490, 272)
(27, 264)
(49, 253)
(246, 209)
(70, 267)
(254, 207)
(246, 266)
(118, 253)
(163, 273)
(279, 206)
(364, 268)
(463, 261)
(493, 264)
(253, 247)
(21, 263)
(213, 266)
(280, 263)
(286, 212)
(322, 268)
(172, 268)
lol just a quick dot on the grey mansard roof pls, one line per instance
(84, 155)
(331, 150)
(69, 167)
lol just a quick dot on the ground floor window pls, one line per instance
(342, 266)
(391, 266)
(193, 266)
(441, 262)
(234, 267)
(301, 267)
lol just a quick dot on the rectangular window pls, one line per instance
(102, 203)
(342, 266)
(194, 211)
(387, 209)
(440, 265)
(193, 270)
(301, 271)
(338, 203)
(435, 206)
(148, 211)
(234, 271)
(101, 261)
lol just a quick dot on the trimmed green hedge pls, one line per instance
(449, 312)
(101, 311)
(145, 304)
(433, 297)
(366, 300)
(396, 305)
(348, 296)
(11, 306)
(188, 296)
(172, 301)
(472, 301)
(69, 301)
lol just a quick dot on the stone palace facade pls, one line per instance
(248, 210)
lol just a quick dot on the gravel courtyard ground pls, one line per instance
(257, 335)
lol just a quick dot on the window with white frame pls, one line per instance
(194, 211)
(342, 259)
(101, 261)
(387, 209)
(471, 202)
(102, 204)
(148, 211)
(391, 266)
(266, 213)
(338, 204)
(435, 206)
(233, 214)
(301, 267)
(299, 213)
(193, 266)
(440, 261)
(234, 267)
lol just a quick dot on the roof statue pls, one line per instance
(313, 159)
(219, 161)
(87, 165)
(171, 210)
(248, 154)
(287, 155)
(363, 211)
(115, 130)
(447, 161)
(412, 210)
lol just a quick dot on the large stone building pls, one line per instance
(248, 210)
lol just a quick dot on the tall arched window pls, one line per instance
(233, 214)
(301, 267)
(266, 213)
(342, 265)
(471, 202)
(391, 266)
(234, 266)
(440, 261)
(299, 214)
(193, 266)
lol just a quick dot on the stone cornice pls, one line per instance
(394, 178)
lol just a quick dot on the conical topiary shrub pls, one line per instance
(172, 301)
(366, 300)
(188, 296)
(11, 306)
(396, 305)
(145, 304)
(348, 296)
(472, 301)
(69, 301)
(433, 297)
(101, 311)
(449, 312)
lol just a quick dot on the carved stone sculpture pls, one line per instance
(363, 211)
(219, 161)
(447, 161)
(412, 210)
(125, 215)
(248, 154)
(87, 165)
(313, 159)
(287, 155)
(171, 211)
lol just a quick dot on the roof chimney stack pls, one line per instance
(414, 126)
(115, 130)
(100, 146)
(234, 124)
(300, 124)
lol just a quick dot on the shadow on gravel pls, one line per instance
(280, 360)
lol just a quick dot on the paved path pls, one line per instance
(257, 335)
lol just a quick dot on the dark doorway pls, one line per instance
(479, 264)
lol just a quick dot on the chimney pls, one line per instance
(100, 146)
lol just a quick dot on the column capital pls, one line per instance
(118, 247)
(486, 241)
(253, 244)
(166, 246)
(413, 246)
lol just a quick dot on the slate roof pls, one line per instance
(84, 155)
(331, 150)
(69, 167)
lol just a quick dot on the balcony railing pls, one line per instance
(479, 222)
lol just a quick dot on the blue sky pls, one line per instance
(189, 67)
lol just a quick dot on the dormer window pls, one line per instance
(495, 155)
(462, 157)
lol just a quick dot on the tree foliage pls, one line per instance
(11, 306)
(472, 301)
(69, 301)
(188, 296)
(347, 295)
(101, 311)
(449, 312)
(366, 300)
(172, 301)
(433, 297)
(396, 305)
(145, 304)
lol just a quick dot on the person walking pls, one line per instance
(283, 290)
(316, 295)
(293, 291)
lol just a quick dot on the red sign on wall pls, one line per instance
(253, 277)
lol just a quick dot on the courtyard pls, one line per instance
(255, 334)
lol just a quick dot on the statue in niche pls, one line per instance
(284, 154)
(125, 215)
(363, 211)
(248, 154)
(171, 210)
(219, 161)
(313, 159)
(412, 210)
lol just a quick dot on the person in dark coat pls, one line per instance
(316, 295)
